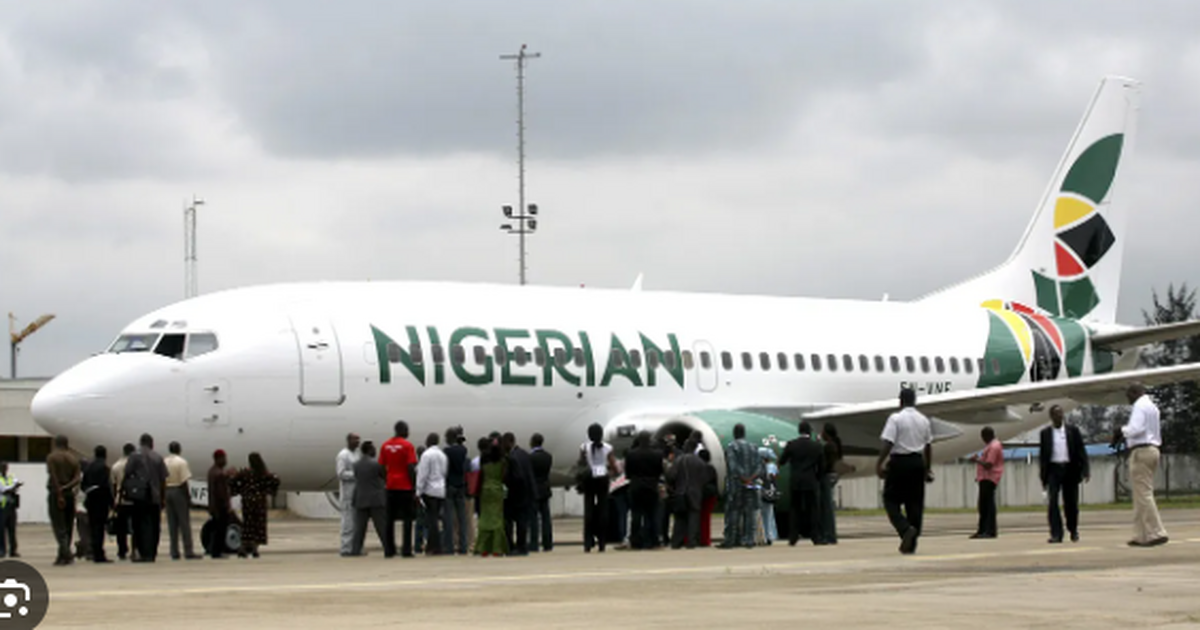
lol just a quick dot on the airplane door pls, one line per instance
(208, 403)
(320, 362)
(706, 367)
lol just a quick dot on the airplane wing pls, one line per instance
(1125, 339)
(990, 405)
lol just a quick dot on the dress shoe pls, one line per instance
(1157, 541)
(1054, 540)
(1074, 536)
(193, 557)
(908, 543)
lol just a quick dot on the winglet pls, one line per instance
(637, 284)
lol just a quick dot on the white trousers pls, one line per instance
(347, 501)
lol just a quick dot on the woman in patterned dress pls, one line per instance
(491, 539)
(254, 484)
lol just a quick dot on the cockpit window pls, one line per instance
(137, 342)
(171, 345)
(201, 343)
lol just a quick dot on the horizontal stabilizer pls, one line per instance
(982, 406)
(1126, 339)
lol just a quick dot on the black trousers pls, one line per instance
(122, 529)
(146, 523)
(97, 512)
(987, 508)
(518, 512)
(904, 492)
(434, 508)
(1058, 481)
(804, 518)
(10, 526)
(216, 534)
(643, 533)
(595, 512)
(400, 506)
(541, 528)
(687, 529)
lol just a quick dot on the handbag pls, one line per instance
(770, 492)
(473, 478)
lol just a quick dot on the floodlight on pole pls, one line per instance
(191, 281)
(522, 228)
(15, 338)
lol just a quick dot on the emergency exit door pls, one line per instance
(320, 362)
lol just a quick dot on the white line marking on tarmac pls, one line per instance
(543, 577)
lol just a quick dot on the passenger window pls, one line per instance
(799, 359)
(910, 365)
(747, 361)
(393, 352)
(847, 363)
(816, 362)
(939, 364)
(501, 355)
(617, 359)
(539, 357)
(879, 364)
(925, 364)
(895, 363)
(560, 357)
(831, 362)
(435, 351)
(414, 354)
(689, 361)
(727, 360)
(171, 345)
(764, 360)
(982, 366)
(995, 366)
(670, 360)
(705, 360)
(781, 358)
(457, 355)
(520, 356)
(635, 359)
(967, 366)
(579, 358)
(651, 359)
(864, 364)
(480, 355)
(201, 343)
(954, 365)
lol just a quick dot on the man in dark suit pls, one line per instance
(1063, 463)
(98, 499)
(686, 480)
(807, 459)
(644, 469)
(522, 491)
(370, 502)
(542, 462)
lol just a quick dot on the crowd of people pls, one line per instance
(497, 502)
(127, 500)
(656, 494)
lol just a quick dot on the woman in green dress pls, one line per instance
(491, 540)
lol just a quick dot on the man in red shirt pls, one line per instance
(398, 456)
(989, 467)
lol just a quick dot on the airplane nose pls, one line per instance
(51, 407)
(71, 399)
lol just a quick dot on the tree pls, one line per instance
(1179, 403)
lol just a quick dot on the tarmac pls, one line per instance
(1014, 581)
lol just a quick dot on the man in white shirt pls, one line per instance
(904, 464)
(431, 488)
(1143, 437)
(179, 502)
(346, 458)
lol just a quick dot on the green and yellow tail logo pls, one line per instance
(1082, 236)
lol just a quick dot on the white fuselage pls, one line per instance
(299, 366)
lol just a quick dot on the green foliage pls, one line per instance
(1178, 402)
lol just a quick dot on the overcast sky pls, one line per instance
(840, 149)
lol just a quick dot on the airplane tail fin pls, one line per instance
(1068, 263)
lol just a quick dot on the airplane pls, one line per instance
(289, 369)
